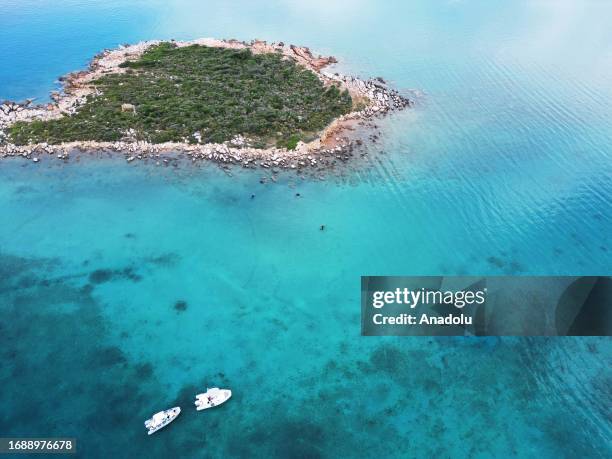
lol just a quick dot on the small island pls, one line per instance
(256, 104)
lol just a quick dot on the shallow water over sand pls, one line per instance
(502, 168)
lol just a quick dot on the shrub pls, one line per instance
(216, 91)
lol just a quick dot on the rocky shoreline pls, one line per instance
(333, 143)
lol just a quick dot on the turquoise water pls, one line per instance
(503, 167)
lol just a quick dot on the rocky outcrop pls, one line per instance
(304, 56)
(224, 154)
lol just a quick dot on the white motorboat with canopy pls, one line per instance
(161, 419)
(212, 397)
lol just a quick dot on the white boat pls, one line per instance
(212, 397)
(161, 419)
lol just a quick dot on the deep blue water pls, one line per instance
(503, 167)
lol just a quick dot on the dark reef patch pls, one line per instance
(12, 267)
(283, 438)
(496, 262)
(180, 305)
(101, 276)
(26, 282)
(166, 259)
(144, 370)
(129, 273)
(108, 356)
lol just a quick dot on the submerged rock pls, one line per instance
(180, 305)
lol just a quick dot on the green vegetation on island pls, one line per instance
(216, 93)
